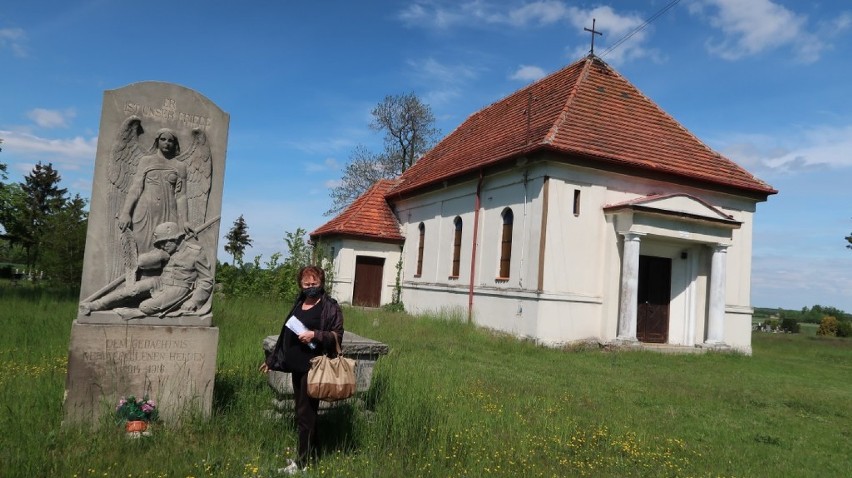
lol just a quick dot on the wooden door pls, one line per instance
(655, 283)
(367, 290)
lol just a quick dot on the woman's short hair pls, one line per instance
(314, 271)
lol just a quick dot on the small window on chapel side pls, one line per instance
(506, 243)
(457, 240)
(576, 202)
(422, 228)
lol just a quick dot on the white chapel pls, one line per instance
(573, 210)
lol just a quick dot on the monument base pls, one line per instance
(175, 366)
(113, 317)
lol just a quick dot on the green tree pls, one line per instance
(43, 198)
(409, 131)
(64, 243)
(238, 240)
(14, 218)
(28, 207)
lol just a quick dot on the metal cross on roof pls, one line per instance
(593, 32)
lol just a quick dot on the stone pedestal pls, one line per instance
(175, 366)
(365, 351)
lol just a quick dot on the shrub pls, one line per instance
(394, 307)
(844, 329)
(828, 326)
(790, 325)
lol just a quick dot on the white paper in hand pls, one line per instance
(298, 327)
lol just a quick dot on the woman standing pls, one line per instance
(323, 321)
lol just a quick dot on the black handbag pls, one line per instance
(275, 361)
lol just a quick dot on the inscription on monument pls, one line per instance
(168, 112)
(145, 355)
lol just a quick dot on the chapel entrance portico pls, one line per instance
(673, 271)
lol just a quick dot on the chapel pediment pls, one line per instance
(676, 207)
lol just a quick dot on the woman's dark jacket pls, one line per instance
(331, 320)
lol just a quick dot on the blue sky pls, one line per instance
(764, 82)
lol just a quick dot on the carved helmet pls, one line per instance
(167, 231)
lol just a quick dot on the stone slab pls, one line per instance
(175, 366)
(364, 350)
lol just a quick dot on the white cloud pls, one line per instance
(432, 17)
(479, 14)
(431, 70)
(614, 27)
(13, 38)
(542, 12)
(27, 144)
(446, 81)
(753, 27)
(819, 146)
(23, 150)
(333, 183)
(320, 146)
(328, 165)
(51, 118)
(842, 22)
(528, 73)
(793, 282)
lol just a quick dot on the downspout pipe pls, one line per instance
(477, 204)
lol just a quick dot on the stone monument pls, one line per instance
(144, 325)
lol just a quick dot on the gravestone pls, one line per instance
(144, 325)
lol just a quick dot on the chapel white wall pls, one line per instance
(579, 297)
(346, 251)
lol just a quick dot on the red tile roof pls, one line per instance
(585, 111)
(369, 217)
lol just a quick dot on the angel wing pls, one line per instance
(124, 160)
(199, 171)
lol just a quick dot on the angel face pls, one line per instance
(167, 144)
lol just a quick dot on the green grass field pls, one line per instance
(451, 400)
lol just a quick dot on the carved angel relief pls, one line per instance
(158, 201)
(154, 186)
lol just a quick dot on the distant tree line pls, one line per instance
(832, 321)
(806, 314)
(276, 278)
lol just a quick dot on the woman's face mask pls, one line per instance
(311, 286)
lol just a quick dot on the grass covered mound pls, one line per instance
(452, 400)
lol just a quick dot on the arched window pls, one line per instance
(457, 239)
(422, 228)
(506, 243)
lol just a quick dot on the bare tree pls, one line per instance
(409, 128)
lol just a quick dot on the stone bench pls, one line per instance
(365, 351)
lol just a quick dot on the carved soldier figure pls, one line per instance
(183, 286)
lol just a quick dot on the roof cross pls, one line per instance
(593, 32)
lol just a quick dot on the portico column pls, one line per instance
(629, 287)
(716, 311)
